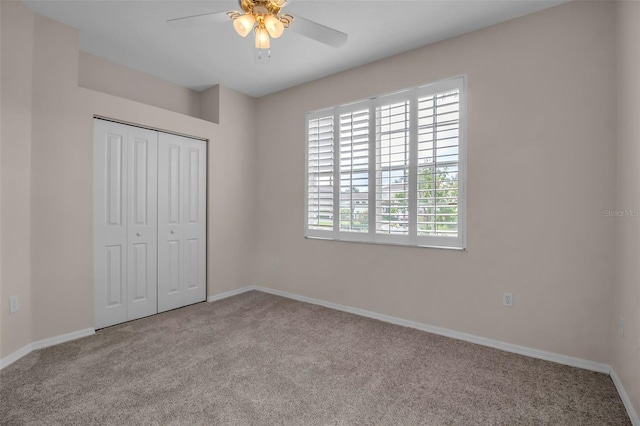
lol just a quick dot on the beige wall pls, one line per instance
(233, 205)
(59, 129)
(210, 104)
(626, 349)
(541, 172)
(1, 289)
(104, 76)
(108, 77)
(15, 170)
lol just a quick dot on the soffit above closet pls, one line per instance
(135, 34)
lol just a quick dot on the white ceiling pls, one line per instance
(135, 34)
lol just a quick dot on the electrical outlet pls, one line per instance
(621, 326)
(276, 263)
(507, 299)
(13, 304)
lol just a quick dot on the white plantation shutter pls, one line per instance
(320, 173)
(438, 157)
(399, 163)
(354, 171)
(392, 168)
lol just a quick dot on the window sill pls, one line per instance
(385, 243)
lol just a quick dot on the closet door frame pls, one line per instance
(142, 223)
(119, 312)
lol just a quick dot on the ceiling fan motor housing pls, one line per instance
(262, 7)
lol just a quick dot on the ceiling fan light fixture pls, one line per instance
(278, 3)
(266, 21)
(262, 38)
(274, 27)
(243, 24)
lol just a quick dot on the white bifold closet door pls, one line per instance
(149, 222)
(182, 174)
(125, 215)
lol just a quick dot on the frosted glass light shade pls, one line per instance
(273, 26)
(243, 24)
(262, 38)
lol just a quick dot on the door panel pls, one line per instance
(192, 259)
(141, 290)
(110, 235)
(174, 267)
(192, 185)
(181, 221)
(141, 181)
(194, 226)
(170, 215)
(142, 211)
(115, 279)
(114, 170)
(125, 222)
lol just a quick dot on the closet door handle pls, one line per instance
(173, 232)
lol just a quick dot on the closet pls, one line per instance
(149, 222)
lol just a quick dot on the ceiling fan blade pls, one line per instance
(205, 18)
(318, 32)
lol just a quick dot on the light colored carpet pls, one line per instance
(258, 359)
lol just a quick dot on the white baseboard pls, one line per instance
(497, 344)
(635, 420)
(13, 357)
(56, 340)
(44, 343)
(230, 293)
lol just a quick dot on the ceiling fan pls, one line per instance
(265, 19)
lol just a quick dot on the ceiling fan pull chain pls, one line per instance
(259, 52)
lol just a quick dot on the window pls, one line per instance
(390, 169)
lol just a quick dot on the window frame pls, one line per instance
(411, 239)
